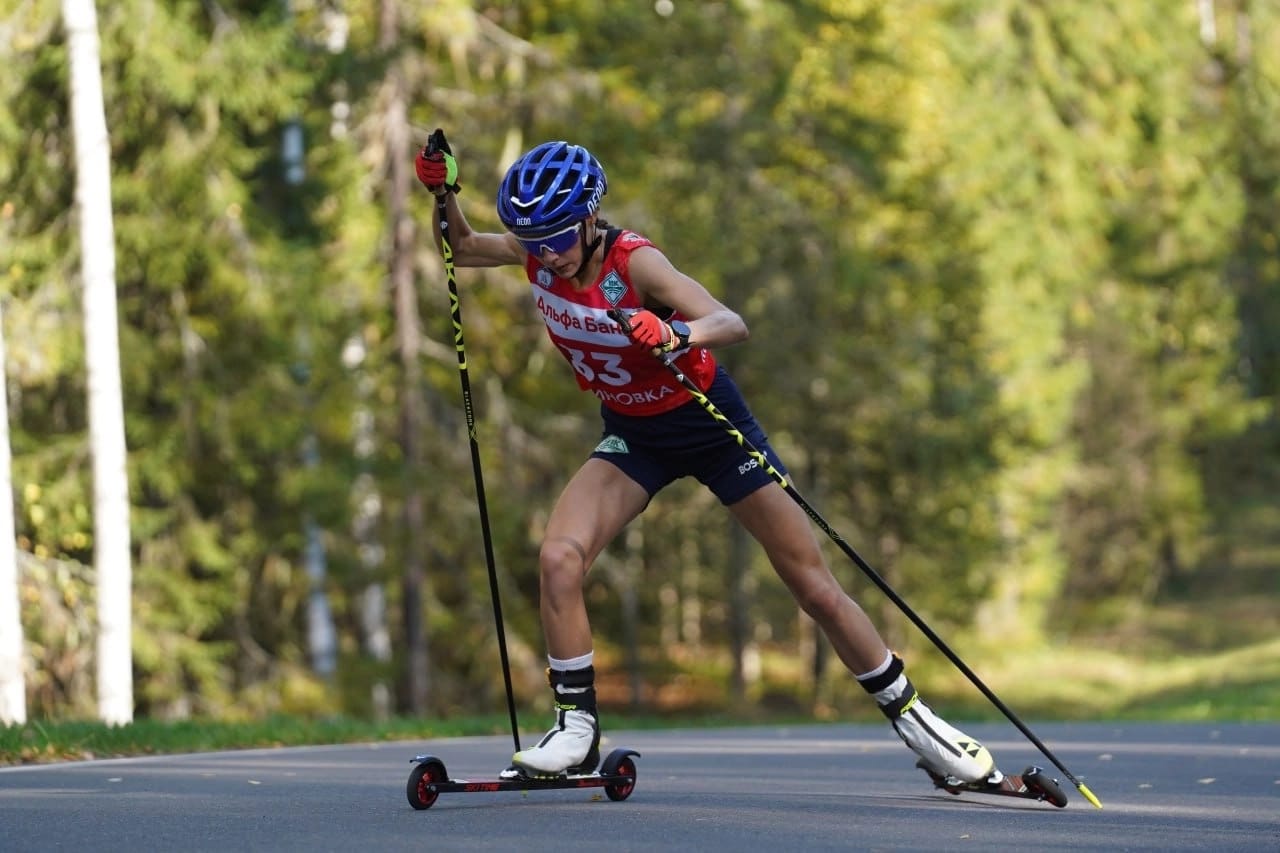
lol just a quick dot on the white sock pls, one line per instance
(580, 662)
(880, 670)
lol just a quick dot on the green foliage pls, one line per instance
(1010, 267)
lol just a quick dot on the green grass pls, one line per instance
(1238, 684)
(41, 741)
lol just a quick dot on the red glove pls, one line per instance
(645, 328)
(435, 165)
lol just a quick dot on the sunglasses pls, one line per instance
(558, 243)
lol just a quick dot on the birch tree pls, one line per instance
(102, 359)
(13, 689)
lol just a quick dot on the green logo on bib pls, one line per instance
(613, 288)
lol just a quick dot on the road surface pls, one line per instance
(805, 788)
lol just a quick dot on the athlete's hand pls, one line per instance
(646, 329)
(435, 165)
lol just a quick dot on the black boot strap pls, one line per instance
(895, 709)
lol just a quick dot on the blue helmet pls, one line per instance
(552, 187)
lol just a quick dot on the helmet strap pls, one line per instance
(588, 249)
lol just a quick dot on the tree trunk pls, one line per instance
(322, 635)
(13, 688)
(409, 344)
(112, 559)
(367, 502)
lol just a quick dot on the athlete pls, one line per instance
(579, 269)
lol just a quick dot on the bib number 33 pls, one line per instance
(602, 366)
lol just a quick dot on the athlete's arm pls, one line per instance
(711, 324)
(474, 248)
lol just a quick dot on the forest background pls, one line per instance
(1012, 272)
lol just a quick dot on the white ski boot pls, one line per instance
(942, 748)
(572, 746)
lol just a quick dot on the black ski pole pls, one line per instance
(436, 142)
(621, 318)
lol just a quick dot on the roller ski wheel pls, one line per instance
(423, 779)
(1031, 784)
(619, 766)
(428, 780)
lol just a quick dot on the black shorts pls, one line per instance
(656, 450)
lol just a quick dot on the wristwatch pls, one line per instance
(680, 329)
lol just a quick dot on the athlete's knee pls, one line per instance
(562, 563)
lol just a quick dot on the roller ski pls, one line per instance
(1031, 784)
(429, 779)
(566, 757)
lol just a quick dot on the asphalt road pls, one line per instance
(810, 788)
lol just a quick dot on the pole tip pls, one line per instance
(1088, 795)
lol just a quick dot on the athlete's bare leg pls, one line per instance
(779, 524)
(783, 528)
(594, 507)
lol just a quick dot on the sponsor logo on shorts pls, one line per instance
(612, 444)
(749, 465)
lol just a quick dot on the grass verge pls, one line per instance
(1240, 684)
